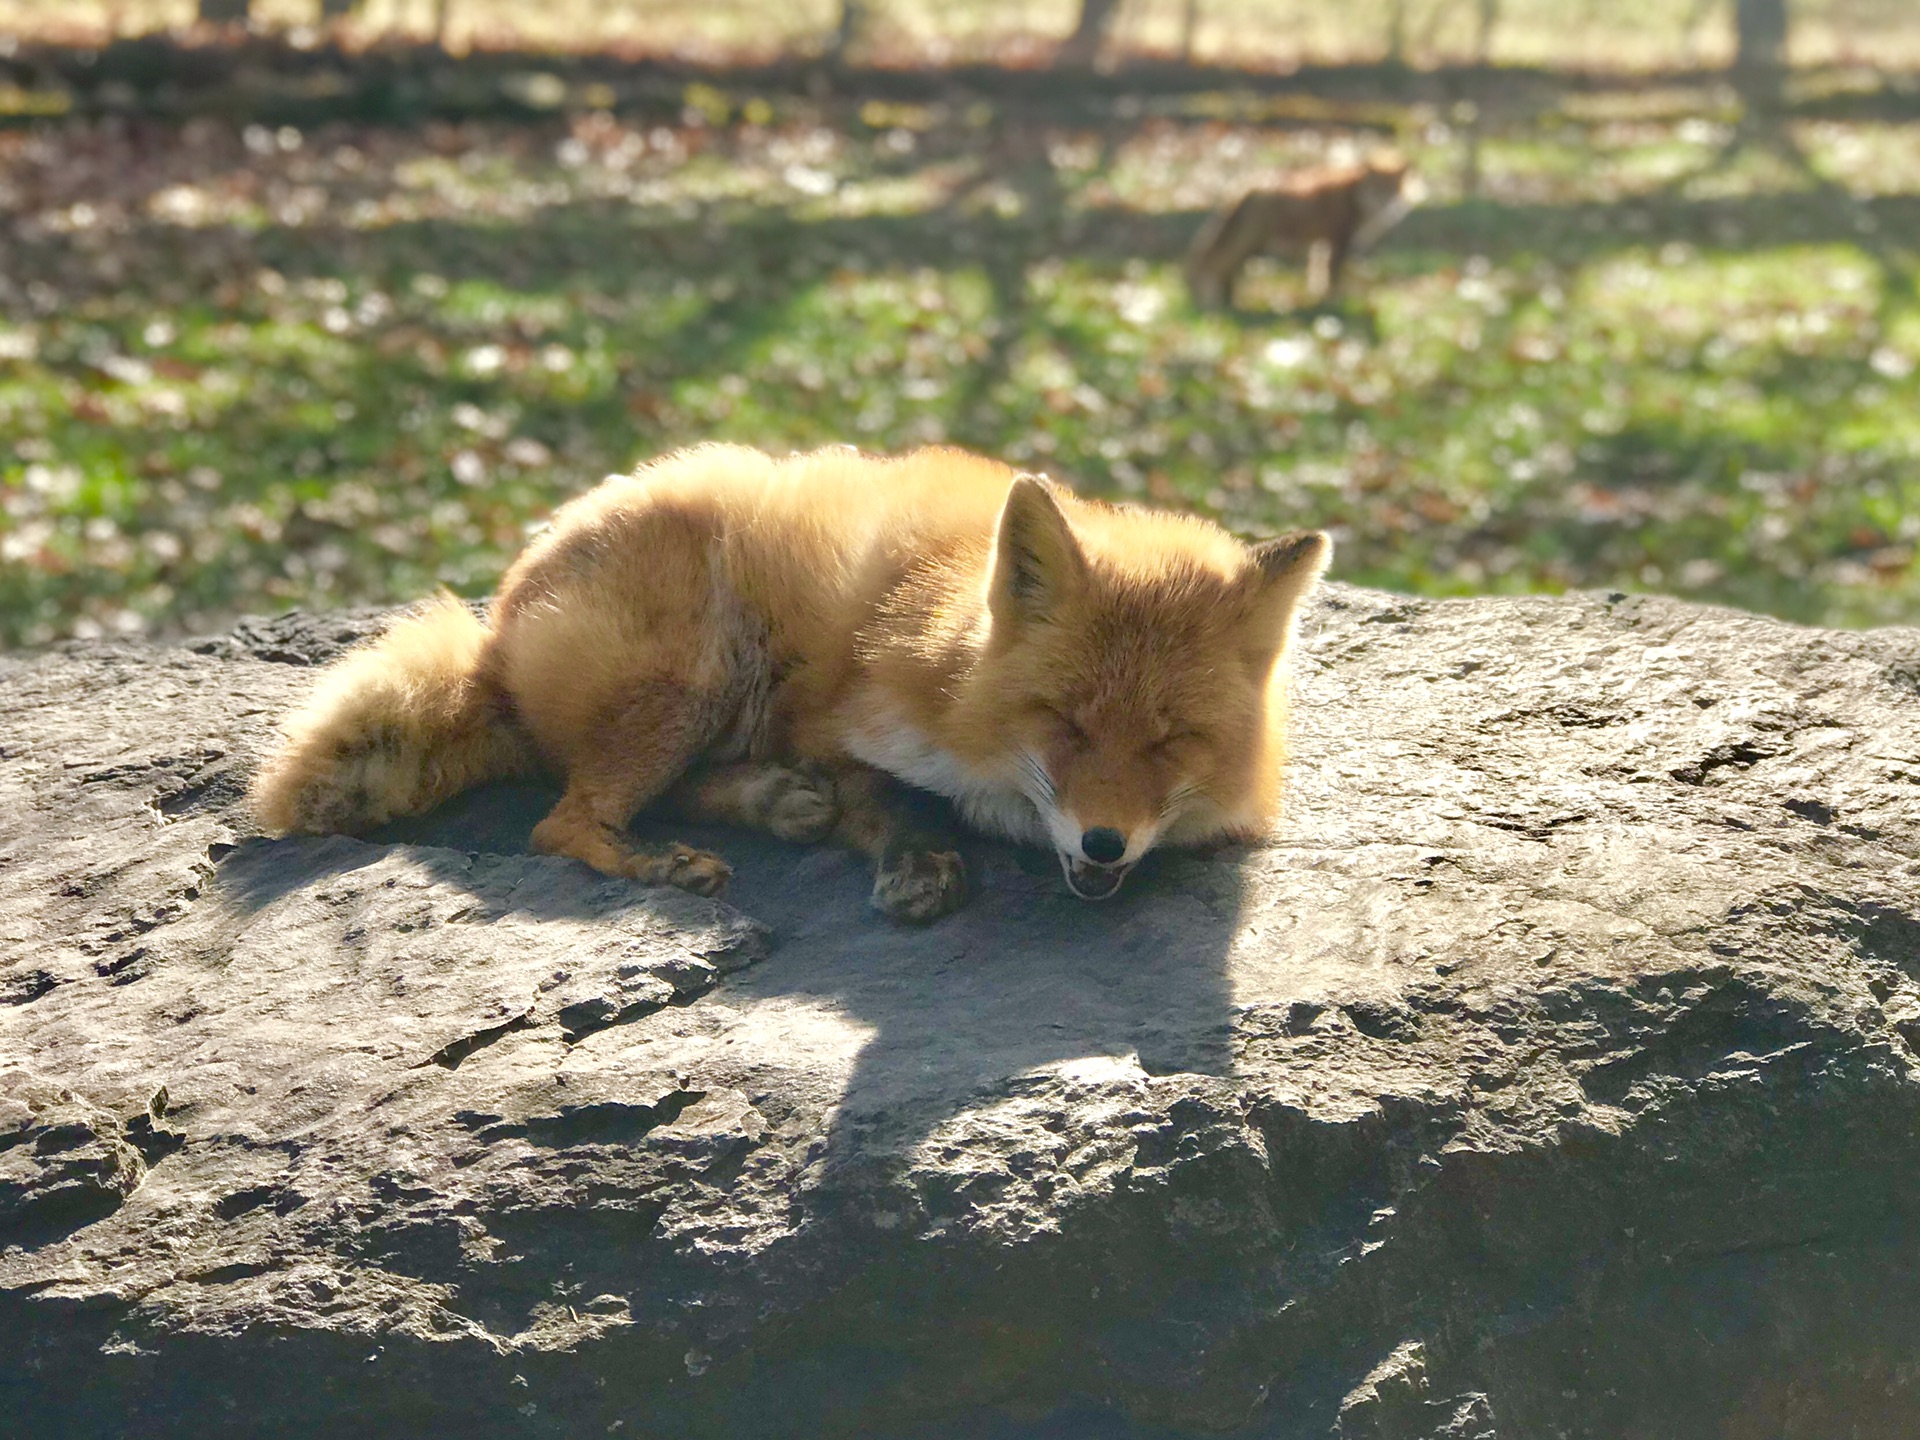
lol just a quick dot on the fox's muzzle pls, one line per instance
(1090, 881)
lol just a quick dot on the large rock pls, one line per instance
(1552, 1072)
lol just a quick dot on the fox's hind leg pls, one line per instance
(918, 872)
(792, 804)
(1323, 269)
(636, 755)
(1222, 248)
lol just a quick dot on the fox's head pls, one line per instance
(1134, 661)
(1387, 189)
(1387, 168)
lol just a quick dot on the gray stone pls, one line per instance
(1552, 1071)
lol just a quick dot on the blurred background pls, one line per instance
(315, 303)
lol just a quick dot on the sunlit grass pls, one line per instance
(246, 371)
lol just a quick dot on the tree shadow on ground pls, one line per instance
(1765, 132)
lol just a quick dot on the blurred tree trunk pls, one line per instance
(1189, 24)
(337, 9)
(1487, 14)
(853, 26)
(1079, 48)
(1760, 53)
(1760, 32)
(222, 12)
(1397, 33)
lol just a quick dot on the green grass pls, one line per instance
(242, 372)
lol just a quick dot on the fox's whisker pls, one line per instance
(1037, 773)
(1177, 799)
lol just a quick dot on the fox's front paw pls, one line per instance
(802, 808)
(700, 871)
(682, 867)
(920, 885)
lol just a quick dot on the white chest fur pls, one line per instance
(986, 802)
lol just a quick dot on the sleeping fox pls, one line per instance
(805, 645)
(1330, 213)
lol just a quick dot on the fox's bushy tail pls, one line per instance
(393, 728)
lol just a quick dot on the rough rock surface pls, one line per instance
(1553, 1072)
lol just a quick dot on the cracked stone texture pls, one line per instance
(1552, 1072)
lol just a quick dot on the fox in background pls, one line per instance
(1329, 213)
(780, 643)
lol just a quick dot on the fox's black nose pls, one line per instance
(1103, 845)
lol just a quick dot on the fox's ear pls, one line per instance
(1295, 560)
(1036, 561)
(1284, 570)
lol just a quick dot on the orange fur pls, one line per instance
(768, 641)
(1329, 213)
(392, 729)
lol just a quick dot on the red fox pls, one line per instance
(780, 643)
(1330, 213)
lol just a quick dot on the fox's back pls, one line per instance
(673, 571)
(814, 540)
(1315, 205)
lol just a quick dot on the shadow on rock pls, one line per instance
(1023, 978)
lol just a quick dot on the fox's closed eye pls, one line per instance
(1068, 726)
